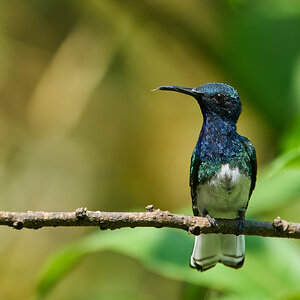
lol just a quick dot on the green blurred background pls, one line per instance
(79, 126)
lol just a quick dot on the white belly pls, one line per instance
(225, 195)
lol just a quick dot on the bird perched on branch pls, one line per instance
(222, 174)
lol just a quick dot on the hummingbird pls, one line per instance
(222, 174)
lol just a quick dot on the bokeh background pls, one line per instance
(79, 126)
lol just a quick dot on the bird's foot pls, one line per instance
(241, 228)
(211, 220)
(242, 223)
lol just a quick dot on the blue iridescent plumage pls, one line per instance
(222, 174)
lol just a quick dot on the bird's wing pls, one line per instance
(200, 172)
(194, 180)
(253, 162)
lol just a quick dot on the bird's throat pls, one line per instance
(215, 125)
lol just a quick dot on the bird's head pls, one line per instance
(217, 98)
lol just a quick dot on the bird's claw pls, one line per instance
(211, 220)
(242, 223)
(241, 227)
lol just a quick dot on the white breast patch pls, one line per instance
(225, 195)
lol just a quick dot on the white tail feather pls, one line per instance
(209, 249)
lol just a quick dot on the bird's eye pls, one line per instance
(219, 97)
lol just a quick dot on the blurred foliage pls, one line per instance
(80, 127)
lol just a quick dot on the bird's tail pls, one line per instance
(209, 249)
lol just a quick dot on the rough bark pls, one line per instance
(151, 218)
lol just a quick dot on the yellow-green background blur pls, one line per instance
(79, 126)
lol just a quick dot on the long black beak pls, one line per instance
(180, 89)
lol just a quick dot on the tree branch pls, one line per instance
(151, 218)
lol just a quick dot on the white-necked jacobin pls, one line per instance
(222, 174)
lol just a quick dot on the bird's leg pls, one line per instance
(211, 219)
(242, 224)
